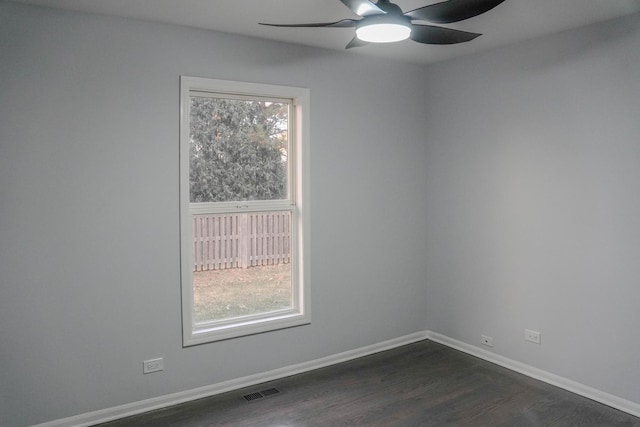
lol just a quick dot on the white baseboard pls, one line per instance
(616, 402)
(110, 414)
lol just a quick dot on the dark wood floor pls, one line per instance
(422, 384)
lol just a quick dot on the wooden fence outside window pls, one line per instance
(241, 240)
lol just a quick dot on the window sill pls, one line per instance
(239, 328)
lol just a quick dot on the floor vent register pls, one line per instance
(260, 394)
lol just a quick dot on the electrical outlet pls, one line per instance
(532, 336)
(485, 340)
(153, 365)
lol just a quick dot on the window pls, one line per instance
(243, 211)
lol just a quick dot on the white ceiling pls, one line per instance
(512, 21)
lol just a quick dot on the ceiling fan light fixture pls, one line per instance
(383, 32)
(384, 28)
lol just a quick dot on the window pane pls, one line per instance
(238, 150)
(242, 264)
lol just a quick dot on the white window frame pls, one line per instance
(297, 202)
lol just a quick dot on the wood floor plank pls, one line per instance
(422, 384)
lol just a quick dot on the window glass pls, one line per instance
(242, 264)
(238, 150)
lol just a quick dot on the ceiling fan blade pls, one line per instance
(363, 7)
(452, 10)
(438, 35)
(356, 42)
(344, 23)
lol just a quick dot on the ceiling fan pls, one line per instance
(384, 22)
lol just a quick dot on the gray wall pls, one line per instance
(533, 199)
(89, 265)
(482, 195)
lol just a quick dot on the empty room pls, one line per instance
(206, 220)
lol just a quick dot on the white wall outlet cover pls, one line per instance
(152, 365)
(486, 340)
(532, 336)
